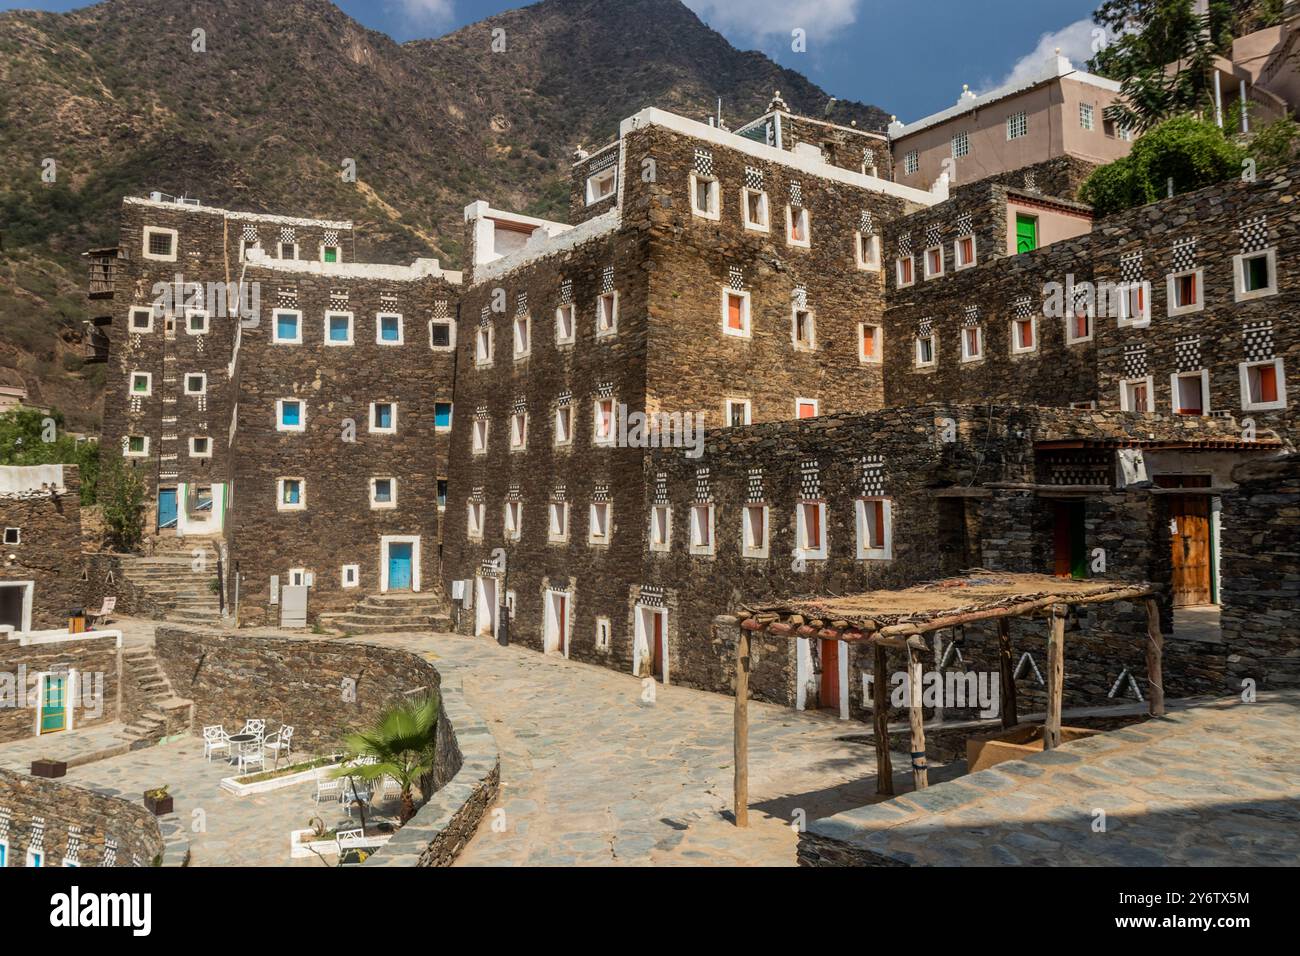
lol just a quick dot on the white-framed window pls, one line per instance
(338, 328)
(702, 528)
(1256, 274)
(519, 431)
(286, 327)
(245, 245)
(383, 418)
(389, 329)
(603, 632)
(141, 384)
(798, 227)
(963, 252)
(706, 196)
(442, 414)
(1185, 292)
(200, 446)
(1137, 395)
(474, 520)
(442, 335)
(806, 408)
(564, 324)
(1263, 385)
(960, 145)
(330, 254)
(196, 322)
(803, 329)
(160, 244)
(483, 342)
(875, 529)
(299, 577)
(868, 167)
(735, 313)
(480, 436)
(601, 185)
(514, 520)
(754, 532)
(350, 576)
(911, 162)
(291, 494)
(926, 351)
(288, 250)
(383, 494)
(810, 530)
(739, 412)
(1086, 116)
(1017, 125)
(196, 383)
(1190, 392)
(1079, 324)
(933, 260)
(603, 424)
(869, 343)
(905, 271)
(598, 523)
(661, 527)
(1087, 405)
(290, 415)
(13, 536)
(564, 424)
(141, 319)
(523, 336)
(866, 251)
(135, 446)
(1024, 334)
(557, 530)
(607, 314)
(753, 206)
(1134, 304)
(972, 343)
(35, 858)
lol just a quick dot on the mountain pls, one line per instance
(284, 92)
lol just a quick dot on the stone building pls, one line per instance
(40, 563)
(708, 280)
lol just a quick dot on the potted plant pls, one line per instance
(158, 800)
(49, 768)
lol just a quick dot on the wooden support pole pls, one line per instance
(741, 782)
(880, 711)
(1008, 674)
(1055, 677)
(1155, 657)
(916, 716)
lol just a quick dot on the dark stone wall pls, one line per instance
(96, 700)
(49, 549)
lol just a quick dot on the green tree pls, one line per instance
(403, 744)
(122, 496)
(31, 437)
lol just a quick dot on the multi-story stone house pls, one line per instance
(709, 280)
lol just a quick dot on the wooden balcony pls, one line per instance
(102, 263)
(94, 343)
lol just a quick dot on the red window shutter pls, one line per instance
(1268, 383)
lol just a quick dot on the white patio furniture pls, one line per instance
(355, 790)
(280, 741)
(215, 739)
(251, 753)
(384, 789)
(101, 616)
(354, 840)
(328, 788)
(254, 726)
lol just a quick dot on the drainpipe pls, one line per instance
(1218, 100)
(1245, 118)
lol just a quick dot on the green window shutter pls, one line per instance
(1026, 234)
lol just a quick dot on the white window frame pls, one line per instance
(1203, 376)
(527, 338)
(479, 436)
(745, 404)
(562, 535)
(512, 520)
(802, 547)
(966, 354)
(18, 536)
(132, 313)
(572, 313)
(1126, 396)
(451, 335)
(484, 345)
(708, 546)
(563, 411)
(191, 314)
(1239, 274)
(867, 552)
(911, 163)
(126, 447)
(279, 251)
(592, 537)
(1070, 337)
(1126, 319)
(1087, 117)
(148, 385)
(275, 327)
(960, 144)
(350, 576)
(898, 271)
(925, 262)
(878, 335)
(814, 402)
(338, 254)
(811, 344)
(604, 635)
(149, 232)
(790, 215)
(280, 504)
(714, 212)
(594, 194)
(748, 550)
(872, 263)
(280, 426)
(765, 224)
(957, 263)
(245, 245)
(667, 542)
(375, 503)
(612, 298)
(519, 431)
(1171, 284)
(325, 328)
(917, 361)
(596, 437)
(200, 454)
(474, 520)
(1017, 125)
(377, 429)
(379, 328)
(1016, 347)
(746, 330)
(203, 383)
(1244, 372)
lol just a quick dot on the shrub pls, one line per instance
(122, 495)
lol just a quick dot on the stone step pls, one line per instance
(362, 617)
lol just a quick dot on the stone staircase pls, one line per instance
(172, 590)
(163, 713)
(387, 613)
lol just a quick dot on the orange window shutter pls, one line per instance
(1268, 383)
(734, 315)
(805, 410)
(878, 532)
(868, 343)
(814, 526)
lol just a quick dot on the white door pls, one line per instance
(556, 637)
(485, 607)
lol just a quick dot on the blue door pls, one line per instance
(399, 567)
(166, 508)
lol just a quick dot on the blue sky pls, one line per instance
(909, 58)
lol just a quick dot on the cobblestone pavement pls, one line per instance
(70, 746)
(593, 775)
(1214, 785)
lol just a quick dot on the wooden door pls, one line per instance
(658, 645)
(1190, 541)
(830, 685)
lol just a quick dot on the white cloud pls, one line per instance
(754, 19)
(1076, 43)
(425, 13)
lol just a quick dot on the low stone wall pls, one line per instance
(96, 699)
(102, 822)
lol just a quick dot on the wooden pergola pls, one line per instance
(896, 620)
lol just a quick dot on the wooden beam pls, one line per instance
(741, 781)
(916, 717)
(1012, 610)
(1155, 656)
(880, 711)
(1007, 671)
(1055, 677)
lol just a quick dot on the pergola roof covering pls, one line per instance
(973, 596)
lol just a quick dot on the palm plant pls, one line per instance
(402, 745)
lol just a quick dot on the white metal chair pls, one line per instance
(251, 753)
(385, 788)
(255, 726)
(328, 788)
(281, 740)
(215, 739)
(354, 840)
(354, 791)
